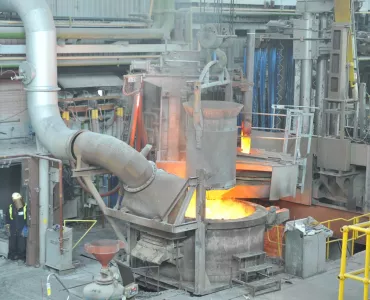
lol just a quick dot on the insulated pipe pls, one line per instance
(114, 155)
(101, 150)
(42, 91)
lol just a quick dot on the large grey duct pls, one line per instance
(40, 78)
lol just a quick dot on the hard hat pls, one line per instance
(16, 196)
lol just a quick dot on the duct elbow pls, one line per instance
(131, 167)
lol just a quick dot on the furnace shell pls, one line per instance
(217, 150)
(223, 240)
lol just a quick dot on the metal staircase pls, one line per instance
(254, 273)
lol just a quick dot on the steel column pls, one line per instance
(321, 81)
(31, 180)
(362, 109)
(248, 95)
(366, 204)
(200, 236)
(44, 206)
(306, 77)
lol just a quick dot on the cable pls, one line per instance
(7, 71)
(18, 113)
(48, 285)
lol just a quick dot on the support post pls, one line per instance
(44, 206)
(31, 179)
(366, 204)
(197, 115)
(200, 236)
(367, 267)
(362, 109)
(102, 206)
(306, 76)
(343, 262)
(321, 81)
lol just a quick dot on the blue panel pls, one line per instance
(262, 85)
(272, 83)
(265, 94)
(113, 198)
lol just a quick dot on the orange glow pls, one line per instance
(246, 143)
(221, 209)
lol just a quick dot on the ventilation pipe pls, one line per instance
(39, 75)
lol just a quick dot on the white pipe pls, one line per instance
(42, 99)
(44, 206)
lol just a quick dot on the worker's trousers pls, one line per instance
(17, 245)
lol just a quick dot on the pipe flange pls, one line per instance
(146, 184)
(42, 89)
(27, 72)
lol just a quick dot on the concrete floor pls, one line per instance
(19, 282)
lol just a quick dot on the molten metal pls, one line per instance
(245, 143)
(221, 209)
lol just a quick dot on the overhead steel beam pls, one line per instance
(92, 33)
(80, 61)
(88, 49)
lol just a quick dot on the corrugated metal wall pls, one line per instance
(98, 8)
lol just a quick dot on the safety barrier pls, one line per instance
(363, 228)
(355, 236)
(278, 233)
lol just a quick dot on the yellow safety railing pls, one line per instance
(363, 228)
(355, 236)
(329, 224)
(87, 231)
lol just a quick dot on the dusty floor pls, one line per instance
(19, 282)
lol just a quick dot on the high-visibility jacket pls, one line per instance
(11, 212)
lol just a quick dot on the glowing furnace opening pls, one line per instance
(218, 208)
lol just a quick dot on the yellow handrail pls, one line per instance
(87, 231)
(343, 275)
(328, 223)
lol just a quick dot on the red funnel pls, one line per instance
(104, 250)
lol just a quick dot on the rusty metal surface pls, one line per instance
(31, 180)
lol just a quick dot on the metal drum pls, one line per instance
(216, 150)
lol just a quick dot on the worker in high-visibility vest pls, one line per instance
(17, 227)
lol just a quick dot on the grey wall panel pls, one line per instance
(98, 8)
(14, 119)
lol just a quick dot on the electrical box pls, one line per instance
(54, 258)
(334, 154)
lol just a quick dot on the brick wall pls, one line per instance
(14, 119)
